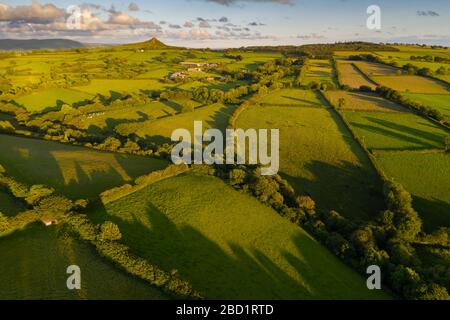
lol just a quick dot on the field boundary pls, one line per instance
(142, 182)
(370, 156)
(364, 75)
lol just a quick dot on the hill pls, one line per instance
(34, 44)
(152, 44)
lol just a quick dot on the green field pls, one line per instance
(318, 71)
(293, 97)
(440, 102)
(74, 171)
(33, 265)
(8, 205)
(355, 101)
(160, 130)
(426, 176)
(51, 98)
(413, 84)
(352, 77)
(229, 251)
(375, 69)
(108, 118)
(109, 87)
(396, 131)
(319, 157)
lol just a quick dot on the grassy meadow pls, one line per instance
(413, 84)
(293, 97)
(352, 77)
(186, 224)
(319, 158)
(33, 264)
(440, 102)
(356, 101)
(425, 175)
(160, 130)
(318, 71)
(73, 171)
(396, 131)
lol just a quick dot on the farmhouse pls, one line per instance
(49, 222)
(178, 75)
(199, 64)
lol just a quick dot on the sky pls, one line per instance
(226, 23)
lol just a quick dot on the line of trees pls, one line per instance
(44, 204)
(396, 97)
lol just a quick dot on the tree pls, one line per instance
(341, 103)
(365, 89)
(38, 192)
(4, 224)
(109, 232)
(111, 143)
(306, 203)
(187, 106)
(447, 143)
(237, 176)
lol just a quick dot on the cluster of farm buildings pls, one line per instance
(192, 67)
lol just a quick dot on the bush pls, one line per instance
(109, 232)
(365, 89)
(306, 203)
(4, 224)
(406, 220)
(38, 192)
(237, 176)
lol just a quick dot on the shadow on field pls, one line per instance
(351, 190)
(393, 130)
(303, 101)
(73, 171)
(435, 213)
(237, 273)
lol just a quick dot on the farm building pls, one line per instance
(178, 75)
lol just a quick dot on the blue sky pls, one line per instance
(229, 23)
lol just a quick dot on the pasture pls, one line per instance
(396, 131)
(356, 101)
(34, 262)
(51, 98)
(440, 102)
(319, 157)
(8, 205)
(352, 77)
(238, 251)
(109, 118)
(293, 97)
(413, 84)
(318, 71)
(73, 171)
(107, 87)
(160, 130)
(425, 176)
(376, 69)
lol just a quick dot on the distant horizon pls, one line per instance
(222, 48)
(227, 23)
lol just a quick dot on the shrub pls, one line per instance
(365, 89)
(4, 224)
(38, 192)
(306, 203)
(406, 220)
(109, 232)
(237, 176)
